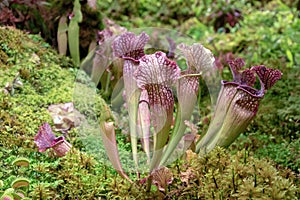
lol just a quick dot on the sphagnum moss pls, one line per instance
(46, 80)
(240, 176)
(217, 175)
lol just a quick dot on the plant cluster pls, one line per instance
(268, 36)
(48, 79)
(239, 176)
(45, 17)
(148, 82)
(224, 16)
(217, 175)
(18, 184)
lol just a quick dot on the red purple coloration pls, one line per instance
(248, 78)
(156, 69)
(162, 177)
(156, 73)
(268, 76)
(45, 139)
(130, 46)
(237, 104)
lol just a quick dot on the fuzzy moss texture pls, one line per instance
(49, 79)
(44, 81)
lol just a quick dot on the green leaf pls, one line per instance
(289, 56)
(73, 33)
(110, 144)
(77, 12)
(62, 39)
(73, 41)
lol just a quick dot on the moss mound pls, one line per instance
(218, 175)
(45, 80)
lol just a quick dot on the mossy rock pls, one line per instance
(45, 77)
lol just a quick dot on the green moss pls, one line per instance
(9, 49)
(240, 176)
(218, 175)
(45, 81)
(268, 36)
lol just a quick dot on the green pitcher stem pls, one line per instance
(132, 111)
(175, 137)
(160, 140)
